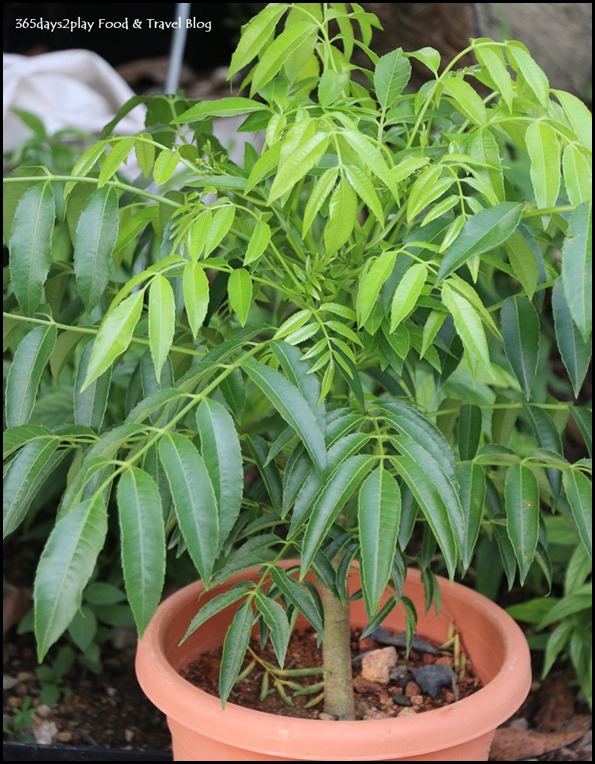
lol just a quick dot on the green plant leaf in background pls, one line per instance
(90, 404)
(575, 352)
(483, 232)
(577, 269)
(114, 336)
(194, 500)
(64, 568)
(162, 315)
(379, 514)
(143, 543)
(469, 431)
(31, 245)
(522, 515)
(29, 362)
(472, 481)
(96, 236)
(521, 333)
(220, 448)
(544, 152)
(579, 491)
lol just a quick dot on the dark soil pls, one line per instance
(275, 693)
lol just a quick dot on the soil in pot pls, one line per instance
(387, 682)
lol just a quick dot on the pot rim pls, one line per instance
(457, 723)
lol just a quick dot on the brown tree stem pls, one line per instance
(336, 658)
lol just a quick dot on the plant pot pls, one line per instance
(463, 731)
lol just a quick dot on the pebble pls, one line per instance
(327, 717)
(26, 676)
(112, 692)
(14, 702)
(417, 700)
(401, 700)
(376, 664)
(367, 643)
(129, 736)
(411, 689)
(361, 684)
(8, 682)
(444, 660)
(407, 712)
(427, 658)
(64, 737)
(45, 733)
(374, 713)
(43, 711)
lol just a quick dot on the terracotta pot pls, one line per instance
(463, 731)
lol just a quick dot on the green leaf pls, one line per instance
(318, 195)
(371, 283)
(194, 500)
(577, 175)
(16, 437)
(219, 227)
(364, 188)
(484, 146)
(65, 566)
(143, 543)
(466, 99)
(472, 481)
(391, 75)
(495, 68)
(370, 156)
(579, 492)
(292, 406)
(222, 455)
(217, 604)
(577, 269)
(29, 362)
(25, 476)
(239, 289)
(275, 618)
(144, 150)
(221, 107)
(196, 295)
(83, 629)
(162, 316)
(426, 189)
(582, 599)
(114, 336)
(234, 648)
(90, 405)
(255, 35)
(430, 57)
(468, 325)
(30, 245)
(342, 217)
(483, 232)
(336, 492)
(258, 243)
(277, 52)
(410, 421)
(96, 236)
(556, 642)
(469, 431)
(583, 417)
(165, 165)
(521, 332)
(543, 147)
(114, 159)
(578, 115)
(406, 294)
(575, 352)
(299, 596)
(523, 63)
(298, 164)
(379, 516)
(523, 261)
(522, 515)
(407, 167)
(296, 370)
(432, 506)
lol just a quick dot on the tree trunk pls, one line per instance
(336, 658)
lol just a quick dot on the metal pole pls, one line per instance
(178, 43)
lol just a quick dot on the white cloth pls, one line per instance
(65, 89)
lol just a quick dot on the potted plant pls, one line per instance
(308, 354)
